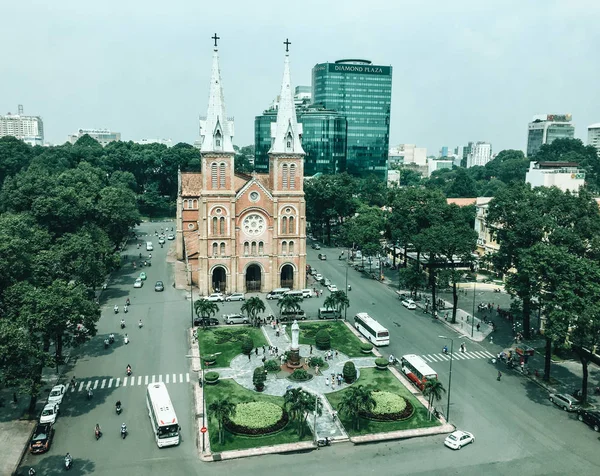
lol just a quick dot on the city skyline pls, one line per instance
(463, 71)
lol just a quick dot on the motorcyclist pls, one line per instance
(445, 349)
(150, 256)
(118, 404)
(106, 343)
(128, 369)
(111, 338)
(123, 430)
(97, 431)
(140, 324)
(122, 323)
(392, 359)
(126, 339)
(128, 302)
(125, 308)
(31, 472)
(116, 308)
(68, 460)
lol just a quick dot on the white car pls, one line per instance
(409, 304)
(319, 277)
(215, 297)
(332, 287)
(56, 394)
(171, 236)
(138, 283)
(49, 413)
(327, 282)
(235, 319)
(235, 297)
(307, 293)
(458, 439)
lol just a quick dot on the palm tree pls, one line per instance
(356, 400)
(221, 410)
(205, 309)
(433, 390)
(299, 404)
(342, 302)
(253, 306)
(289, 303)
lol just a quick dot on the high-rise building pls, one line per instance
(362, 92)
(594, 136)
(480, 154)
(546, 129)
(444, 151)
(405, 154)
(30, 129)
(323, 139)
(103, 136)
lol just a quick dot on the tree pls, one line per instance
(222, 410)
(299, 404)
(433, 391)
(337, 300)
(356, 400)
(409, 178)
(259, 378)
(463, 185)
(205, 309)
(289, 303)
(366, 230)
(412, 278)
(253, 306)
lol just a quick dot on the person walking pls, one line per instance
(327, 381)
(499, 376)
(311, 349)
(316, 370)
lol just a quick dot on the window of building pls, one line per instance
(293, 176)
(291, 247)
(284, 175)
(291, 225)
(190, 226)
(222, 249)
(246, 248)
(284, 225)
(222, 175)
(215, 248)
(253, 248)
(213, 174)
(222, 225)
(215, 230)
(261, 248)
(284, 247)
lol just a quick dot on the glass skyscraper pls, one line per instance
(362, 92)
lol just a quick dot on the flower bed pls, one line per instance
(257, 419)
(300, 375)
(390, 407)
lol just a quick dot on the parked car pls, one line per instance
(327, 282)
(332, 288)
(458, 439)
(313, 271)
(138, 283)
(277, 293)
(159, 286)
(208, 321)
(315, 246)
(56, 394)
(214, 297)
(235, 319)
(286, 316)
(567, 402)
(41, 439)
(307, 293)
(322, 256)
(143, 276)
(409, 304)
(318, 277)
(171, 236)
(590, 418)
(235, 297)
(49, 413)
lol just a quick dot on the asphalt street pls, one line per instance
(516, 428)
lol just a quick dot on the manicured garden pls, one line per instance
(387, 391)
(256, 413)
(342, 338)
(227, 341)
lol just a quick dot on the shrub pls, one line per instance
(210, 359)
(247, 345)
(314, 361)
(257, 418)
(272, 366)
(349, 372)
(211, 377)
(323, 340)
(366, 348)
(259, 377)
(300, 374)
(389, 407)
(381, 363)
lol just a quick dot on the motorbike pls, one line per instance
(111, 339)
(126, 340)
(122, 324)
(98, 434)
(128, 302)
(324, 441)
(31, 472)
(349, 288)
(129, 371)
(140, 325)
(148, 264)
(497, 290)
(445, 350)
(106, 343)
(118, 409)
(116, 309)
(90, 394)
(125, 310)
(68, 462)
(123, 432)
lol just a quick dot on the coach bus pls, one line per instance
(371, 329)
(417, 370)
(162, 415)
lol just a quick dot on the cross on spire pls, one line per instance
(287, 43)
(216, 38)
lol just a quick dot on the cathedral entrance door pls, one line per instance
(287, 276)
(253, 278)
(219, 280)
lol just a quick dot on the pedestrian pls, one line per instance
(264, 359)
(491, 339)
(446, 317)
(478, 326)
(327, 381)
(339, 379)
(316, 370)
(311, 349)
(263, 350)
(499, 376)
(277, 350)
(256, 351)
(336, 354)
(249, 358)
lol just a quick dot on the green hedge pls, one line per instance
(257, 419)
(349, 372)
(247, 345)
(211, 377)
(389, 407)
(300, 375)
(323, 340)
(366, 348)
(381, 362)
(272, 366)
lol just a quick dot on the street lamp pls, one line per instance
(473, 315)
(191, 297)
(450, 375)
(346, 291)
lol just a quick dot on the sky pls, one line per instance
(462, 70)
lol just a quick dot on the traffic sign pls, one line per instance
(203, 429)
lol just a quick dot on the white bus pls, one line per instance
(371, 329)
(417, 370)
(162, 415)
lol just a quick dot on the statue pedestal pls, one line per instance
(293, 361)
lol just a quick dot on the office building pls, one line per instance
(480, 154)
(362, 92)
(594, 136)
(564, 175)
(444, 151)
(438, 164)
(103, 136)
(30, 129)
(405, 154)
(547, 128)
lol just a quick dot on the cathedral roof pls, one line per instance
(191, 184)
(191, 243)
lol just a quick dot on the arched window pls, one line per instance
(222, 225)
(293, 176)
(291, 247)
(284, 176)
(218, 139)
(222, 175)
(222, 249)
(253, 248)
(246, 248)
(284, 247)
(292, 229)
(284, 225)
(261, 248)
(215, 249)
(215, 230)
(213, 174)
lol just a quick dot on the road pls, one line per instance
(516, 428)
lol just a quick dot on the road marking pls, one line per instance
(140, 380)
(118, 380)
(110, 383)
(89, 384)
(81, 386)
(180, 378)
(167, 379)
(174, 378)
(146, 380)
(124, 381)
(96, 384)
(160, 378)
(481, 355)
(103, 383)
(153, 377)
(187, 378)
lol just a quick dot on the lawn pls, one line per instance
(227, 341)
(342, 338)
(374, 379)
(235, 393)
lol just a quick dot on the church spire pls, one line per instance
(216, 131)
(286, 132)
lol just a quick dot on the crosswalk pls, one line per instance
(134, 380)
(479, 354)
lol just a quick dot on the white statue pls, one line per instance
(295, 335)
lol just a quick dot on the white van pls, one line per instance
(307, 293)
(149, 246)
(277, 292)
(293, 293)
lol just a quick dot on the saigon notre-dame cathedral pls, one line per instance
(238, 232)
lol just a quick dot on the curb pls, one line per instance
(402, 435)
(25, 448)
(263, 450)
